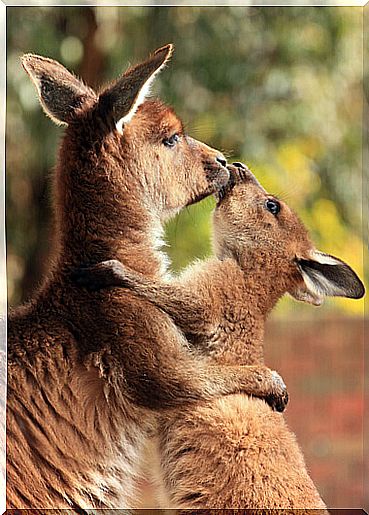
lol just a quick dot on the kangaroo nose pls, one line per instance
(239, 165)
(222, 160)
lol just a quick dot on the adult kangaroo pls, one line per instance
(86, 372)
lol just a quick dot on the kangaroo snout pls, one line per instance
(240, 173)
(209, 155)
(216, 171)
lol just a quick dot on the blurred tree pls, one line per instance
(279, 88)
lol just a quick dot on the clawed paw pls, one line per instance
(278, 399)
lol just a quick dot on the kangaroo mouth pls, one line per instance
(238, 173)
(223, 192)
(217, 177)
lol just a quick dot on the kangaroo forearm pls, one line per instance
(258, 381)
(192, 314)
(185, 309)
(182, 382)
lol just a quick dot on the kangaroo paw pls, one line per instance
(278, 399)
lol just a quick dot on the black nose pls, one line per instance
(239, 165)
(222, 160)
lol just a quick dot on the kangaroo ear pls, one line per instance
(61, 94)
(124, 97)
(326, 276)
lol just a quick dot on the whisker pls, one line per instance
(228, 154)
(287, 194)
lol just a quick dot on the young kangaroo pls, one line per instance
(85, 371)
(235, 452)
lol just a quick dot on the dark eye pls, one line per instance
(171, 142)
(273, 206)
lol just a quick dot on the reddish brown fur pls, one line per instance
(235, 452)
(86, 370)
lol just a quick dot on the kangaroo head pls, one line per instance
(249, 221)
(142, 143)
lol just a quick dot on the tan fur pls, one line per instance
(87, 371)
(235, 452)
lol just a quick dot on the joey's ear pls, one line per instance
(61, 94)
(124, 97)
(326, 276)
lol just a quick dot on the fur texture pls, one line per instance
(87, 371)
(235, 452)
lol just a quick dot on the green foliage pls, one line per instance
(278, 88)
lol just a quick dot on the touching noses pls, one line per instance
(221, 159)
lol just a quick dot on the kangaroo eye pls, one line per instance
(171, 142)
(273, 206)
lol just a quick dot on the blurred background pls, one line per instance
(278, 88)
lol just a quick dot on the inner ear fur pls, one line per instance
(61, 93)
(327, 276)
(122, 99)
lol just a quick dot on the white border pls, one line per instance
(107, 3)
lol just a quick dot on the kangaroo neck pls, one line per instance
(102, 210)
(248, 297)
(262, 281)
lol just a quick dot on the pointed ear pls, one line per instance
(124, 97)
(61, 94)
(326, 276)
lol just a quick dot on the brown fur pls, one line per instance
(86, 370)
(235, 452)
